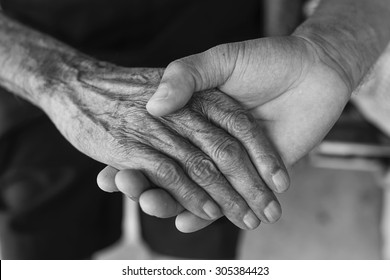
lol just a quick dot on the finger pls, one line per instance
(201, 169)
(185, 76)
(233, 162)
(106, 179)
(157, 202)
(242, 126)
(166, 173)
(187, 222)
(132, 183)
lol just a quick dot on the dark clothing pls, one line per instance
(53, 208)
(51, 204)
(134, 33)
(146, 33)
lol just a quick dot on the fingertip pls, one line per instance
(160, 107)
(273, 212)
(251, 220)
(281, 181)
(173, 93)
(131, 182)
(158, 203)
(212, 210)
(187, 222)
(106, 179)
(176, 100)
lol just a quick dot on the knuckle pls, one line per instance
(177, 64)
(224, 52)
(228, 151)
(259, 194)
(270, 162)
(189, 194)
(222, 49)
(168, 173)
(241, 122)
(234, 206)
(187, 65)
(202, 169)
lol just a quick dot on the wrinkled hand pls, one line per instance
(289, 84)
(199, 145)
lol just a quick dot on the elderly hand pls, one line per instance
(200, 155)
(289, 84)
(100, 109)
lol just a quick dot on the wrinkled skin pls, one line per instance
(100, 109)
(293, 88)
(209, 150)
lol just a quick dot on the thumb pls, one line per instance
(193, 73)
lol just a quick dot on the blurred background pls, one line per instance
(338, 205)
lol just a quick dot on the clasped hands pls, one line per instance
(221, 150)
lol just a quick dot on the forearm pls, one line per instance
(29, 60)
(53, 76)
(349, 34)
(74, 90)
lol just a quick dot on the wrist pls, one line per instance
(55, 75)
(348, 36)
(33, 64)
(340, 55)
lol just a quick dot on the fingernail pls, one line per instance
(251, 221)
(272, 212)
(212, 210)
(281, 180)
(161, 93)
